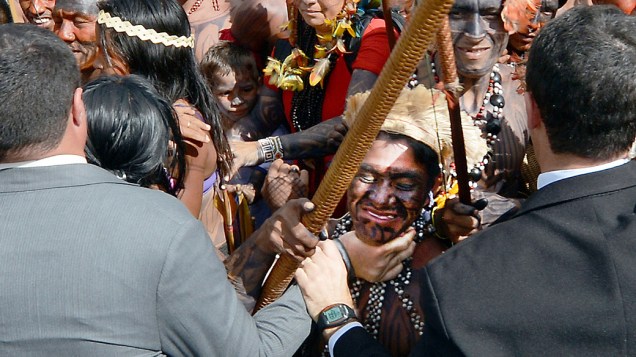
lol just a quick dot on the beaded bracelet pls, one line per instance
(270, 149)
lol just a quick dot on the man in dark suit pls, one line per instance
(94, 266)
(559, 277)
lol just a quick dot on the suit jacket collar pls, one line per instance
(39, 178)
(581, 186)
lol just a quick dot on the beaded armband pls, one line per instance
(270, 149)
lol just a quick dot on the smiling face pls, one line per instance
(478, 35)
(521, 40)
(388, 192)
(236, 94)
(75, 22)
(39, 12)
(314, 12)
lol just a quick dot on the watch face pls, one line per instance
(334, 314)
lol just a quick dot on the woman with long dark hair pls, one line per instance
(129, 126)
(152, 38)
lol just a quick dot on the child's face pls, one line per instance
(236, 94)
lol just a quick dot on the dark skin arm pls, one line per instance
(282, 232)
(320, 140)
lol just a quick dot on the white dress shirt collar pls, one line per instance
(554, 176)
(48, 161)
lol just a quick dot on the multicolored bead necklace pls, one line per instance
(489, 121)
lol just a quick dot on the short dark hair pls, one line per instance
(128, 129)
(38, 77)
(173, 70)
(580, 72)
(225, 57)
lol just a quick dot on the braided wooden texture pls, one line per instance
(408, 51)
(446, 54)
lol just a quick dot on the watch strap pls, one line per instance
(343, 314)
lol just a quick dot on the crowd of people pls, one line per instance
(139, 139)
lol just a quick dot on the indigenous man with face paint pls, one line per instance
(557, 279)
(75, 24)
(523, 19)
(490, 98)
(390, 198)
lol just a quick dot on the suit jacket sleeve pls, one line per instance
(199, 313)
(435, 340)
(358, 342)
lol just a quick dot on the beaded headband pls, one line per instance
(143, 33)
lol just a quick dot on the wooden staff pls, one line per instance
(388, 21)
(13, 9)
(452, 89)
(409, 50)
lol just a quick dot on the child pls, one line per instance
(234, 79)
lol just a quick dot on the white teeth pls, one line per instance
(380, 216)
(41, 21)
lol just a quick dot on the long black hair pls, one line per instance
(129, 126)
(172, 70)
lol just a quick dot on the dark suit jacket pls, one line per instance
(93, 266)
(557, 279)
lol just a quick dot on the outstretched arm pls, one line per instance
(318, 141)
(282, 232)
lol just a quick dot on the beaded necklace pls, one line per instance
(489, 121)
(292, 72)
(306, 107)
(378, 291)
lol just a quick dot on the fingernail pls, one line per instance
(309, 206)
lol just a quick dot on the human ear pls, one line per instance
(533, 112)
(78, 109)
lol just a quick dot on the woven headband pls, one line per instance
(143, 33)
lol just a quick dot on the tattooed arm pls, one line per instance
(282, 232)
(320, 140)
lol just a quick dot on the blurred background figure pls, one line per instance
(39, 12)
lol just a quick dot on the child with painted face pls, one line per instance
(233, 77)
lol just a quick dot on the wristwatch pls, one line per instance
(335, 315)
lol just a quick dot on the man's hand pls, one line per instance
(323, 279)
(287, 234)
(457, 221)
(375, 263)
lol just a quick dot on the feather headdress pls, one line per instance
(422, 114)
